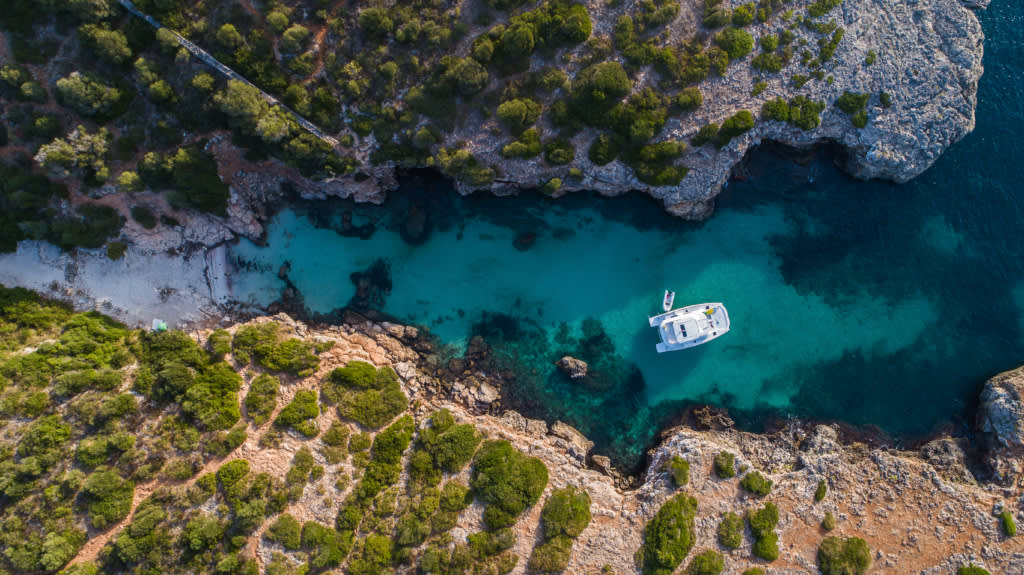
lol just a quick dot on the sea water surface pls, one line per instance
(865, 302)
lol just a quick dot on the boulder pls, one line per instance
(1000, 421)
(577, 444)
(574, 368)
(949, 456)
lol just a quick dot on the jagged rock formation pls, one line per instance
(574, 368)
(1001, 424)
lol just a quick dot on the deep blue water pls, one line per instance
(865, 302)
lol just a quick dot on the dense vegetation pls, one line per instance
(669, 536)
(565, 515)
(762, 523)
(506, 481)
(844, 556)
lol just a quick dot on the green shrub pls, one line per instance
(730, 530)
(689, 99)
(559, 152)
(679, 468)
(972, 570)
(385, 465)
(736, 42)
(264, 344)
(669, 535)
(654, 163)
(597, 88)
(870, 58)
(232, 471)
(756, 483)
(261, 400)
(829, 522)
(450, 446)
(851, 102)
(762, 524)
(839, 556)
(716, 15)
(212, 399)
(518, 114)
(219, 343)
(300, 413)
(859, 119)
(743, 15)
(754, 571)
(709, 562)
(287, 531)
(329, 547)
(369, 396)
(506, 481)
(107, 497)
(527, 145)
(707, 133)
(565, 515)
(1008, 524)
(725, 465)
(735, 125)
(144, 216)
(603, 150)
(821, 7)
(821, 491)
(885, 99)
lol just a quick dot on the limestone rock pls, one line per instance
(574, 368)
(948, 455)
(578, 444)
(1001, 424)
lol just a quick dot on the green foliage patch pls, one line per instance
(367, 395)
(844, 556)
(300, 413)
(506, 481)
(669, 536)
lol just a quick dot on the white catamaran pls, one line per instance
(690, 326)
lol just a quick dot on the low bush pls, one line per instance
(385, 465)
(654, 164)
(754, 571)
(737, 43)
(972, 570)
(107, 497)
(369, 396)
(527, 145)
(689, 99)
(144, 216)
(762, 524)
(735, 125)
(263, 343)
(328, 546)
(300, 413)
(669, 535)
(851, 102)
(707, 133)
(709, 562)
(518, 114)
(603, 150)
(829, 521)
(820, 491)
(725, 465)
(261, 400)
(565, 515)
(679, 469)
(1007, 523)
(839, 556)
(287, 531)
(559, 152)
(506, 481)
(885, 99)
(730, 530)
(756, 483)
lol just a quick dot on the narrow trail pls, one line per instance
(226, 71)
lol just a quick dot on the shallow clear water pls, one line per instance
(866, 302)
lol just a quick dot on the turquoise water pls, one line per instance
(865, 302)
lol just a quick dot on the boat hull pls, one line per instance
(690, 326)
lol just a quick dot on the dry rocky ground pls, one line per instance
(919, 511)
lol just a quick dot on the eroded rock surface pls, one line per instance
(1001, 424)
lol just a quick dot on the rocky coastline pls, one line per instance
(925, 511)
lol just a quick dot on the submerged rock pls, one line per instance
(574, 368)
